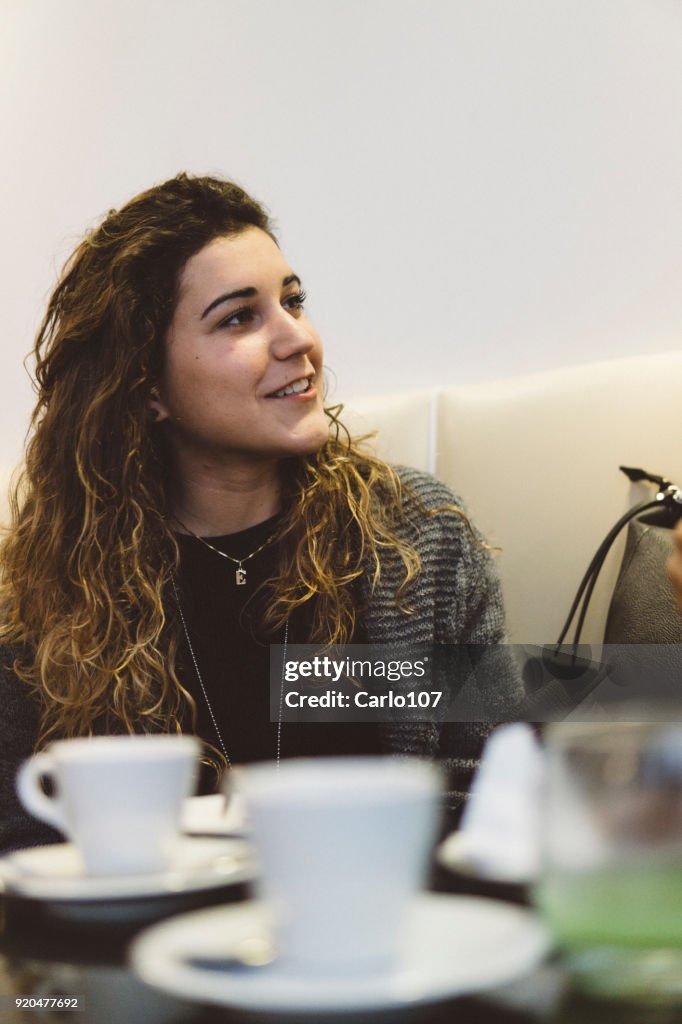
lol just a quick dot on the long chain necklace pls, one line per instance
(278, 744)
(240, 571)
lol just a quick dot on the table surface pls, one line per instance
(40, 955)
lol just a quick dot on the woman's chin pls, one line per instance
(309, 436)
(309, 444)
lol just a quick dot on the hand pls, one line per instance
(674, 565)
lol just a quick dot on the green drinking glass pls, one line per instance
(611, 883)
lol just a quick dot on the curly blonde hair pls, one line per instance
(86, 567)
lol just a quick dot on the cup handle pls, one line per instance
(31, 794)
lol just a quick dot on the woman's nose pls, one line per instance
(291, 336)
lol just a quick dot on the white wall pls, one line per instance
(469, 188)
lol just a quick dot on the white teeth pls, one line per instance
(296, 388)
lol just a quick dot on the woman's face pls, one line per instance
(242, 379)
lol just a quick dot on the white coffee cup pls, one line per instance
(118, 798)
(343, 845)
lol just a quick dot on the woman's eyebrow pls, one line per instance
(245, 293)
(240, 293)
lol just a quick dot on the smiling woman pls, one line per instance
(187, 501)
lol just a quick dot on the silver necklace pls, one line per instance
(278, 744)
(240, 571)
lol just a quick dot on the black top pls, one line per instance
(233, 656)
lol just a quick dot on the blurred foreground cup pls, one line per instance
(343, 845)
(611, 884)
(118, 798)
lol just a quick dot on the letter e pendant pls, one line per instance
(240, 576)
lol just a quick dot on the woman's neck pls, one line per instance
(211, 505)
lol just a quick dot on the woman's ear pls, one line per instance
(157, 409)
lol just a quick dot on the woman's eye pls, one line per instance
(295, 303)
(237, 318)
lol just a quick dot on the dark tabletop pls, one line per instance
(43, 954)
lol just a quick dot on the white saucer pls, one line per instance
(56, 872)
(213, 815)
(454, 945)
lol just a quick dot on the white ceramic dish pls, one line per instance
(56, 873)
(454, 945)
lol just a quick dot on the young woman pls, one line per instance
(188, 500)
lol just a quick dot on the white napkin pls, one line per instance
(499, 835)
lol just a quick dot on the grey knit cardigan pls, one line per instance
(455, 600)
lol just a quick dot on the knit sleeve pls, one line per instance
(469, 621)
(18, 733)
(493, 687)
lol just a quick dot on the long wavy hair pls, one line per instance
(87, 566)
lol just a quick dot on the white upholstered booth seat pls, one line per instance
(535, 459)
(406, 426)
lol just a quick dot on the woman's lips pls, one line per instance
(302, 387)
